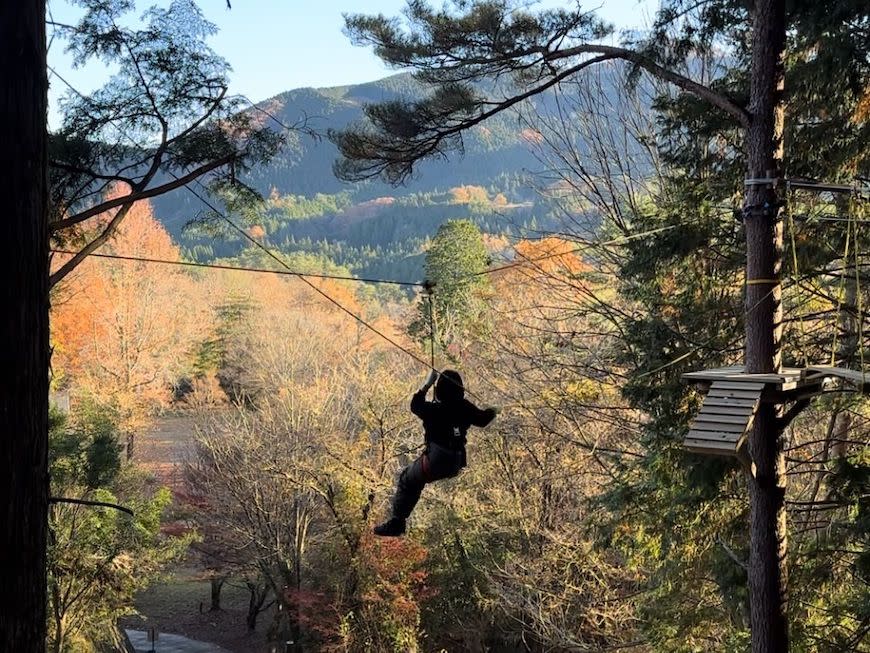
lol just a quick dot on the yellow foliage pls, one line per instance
(862, 109)
(469, 195)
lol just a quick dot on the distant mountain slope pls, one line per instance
(373, 228)
(493, 152)
(305, 167)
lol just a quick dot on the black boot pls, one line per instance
(393, 527)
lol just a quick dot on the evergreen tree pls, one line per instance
(454, 263)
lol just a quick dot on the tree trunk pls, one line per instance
(768, 579)
(256, 599)
(24, 348)
(217, 583)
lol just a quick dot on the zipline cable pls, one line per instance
(236, 268)
(395, 282)
(313, 286)
(302, 277)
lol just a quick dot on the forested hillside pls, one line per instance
(373, 228)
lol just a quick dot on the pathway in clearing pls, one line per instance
(167, 643)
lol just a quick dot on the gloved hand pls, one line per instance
(430, 380)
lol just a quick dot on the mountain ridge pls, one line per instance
(310, 210)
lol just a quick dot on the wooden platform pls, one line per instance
(733, 397)
(788, 379)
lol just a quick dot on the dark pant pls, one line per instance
(435, 464)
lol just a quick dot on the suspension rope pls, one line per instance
(858, 299)
(430, 295)
(841, 294)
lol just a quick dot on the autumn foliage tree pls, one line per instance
(124, 331)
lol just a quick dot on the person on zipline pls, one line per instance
(445, 425)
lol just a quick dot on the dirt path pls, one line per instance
(181, 606)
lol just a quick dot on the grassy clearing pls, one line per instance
(180, 605)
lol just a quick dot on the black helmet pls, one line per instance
(449, 387)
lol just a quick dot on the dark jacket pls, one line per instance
(446, 424)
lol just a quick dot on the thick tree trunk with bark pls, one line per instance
(24, 330)
(768, 579)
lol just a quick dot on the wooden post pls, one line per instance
(24, 348)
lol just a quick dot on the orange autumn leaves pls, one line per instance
(125, 332)
(122, 330)
(552, 255)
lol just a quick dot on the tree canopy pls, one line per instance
(162, 121)
(481, 58)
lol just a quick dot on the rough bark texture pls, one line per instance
(24, 330)
(768, 579)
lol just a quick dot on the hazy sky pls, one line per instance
(277, 45)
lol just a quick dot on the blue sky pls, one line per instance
(277, 45)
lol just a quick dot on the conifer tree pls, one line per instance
(453, 265)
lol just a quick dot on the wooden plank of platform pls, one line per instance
(735, 373)
(708, 448)
(740, 385)
(728, 427)
(718, 437)
(729, 406)
(717, 448)
(722, 419)
(733, 402)
(728, 393)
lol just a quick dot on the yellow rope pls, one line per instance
(758, 282)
